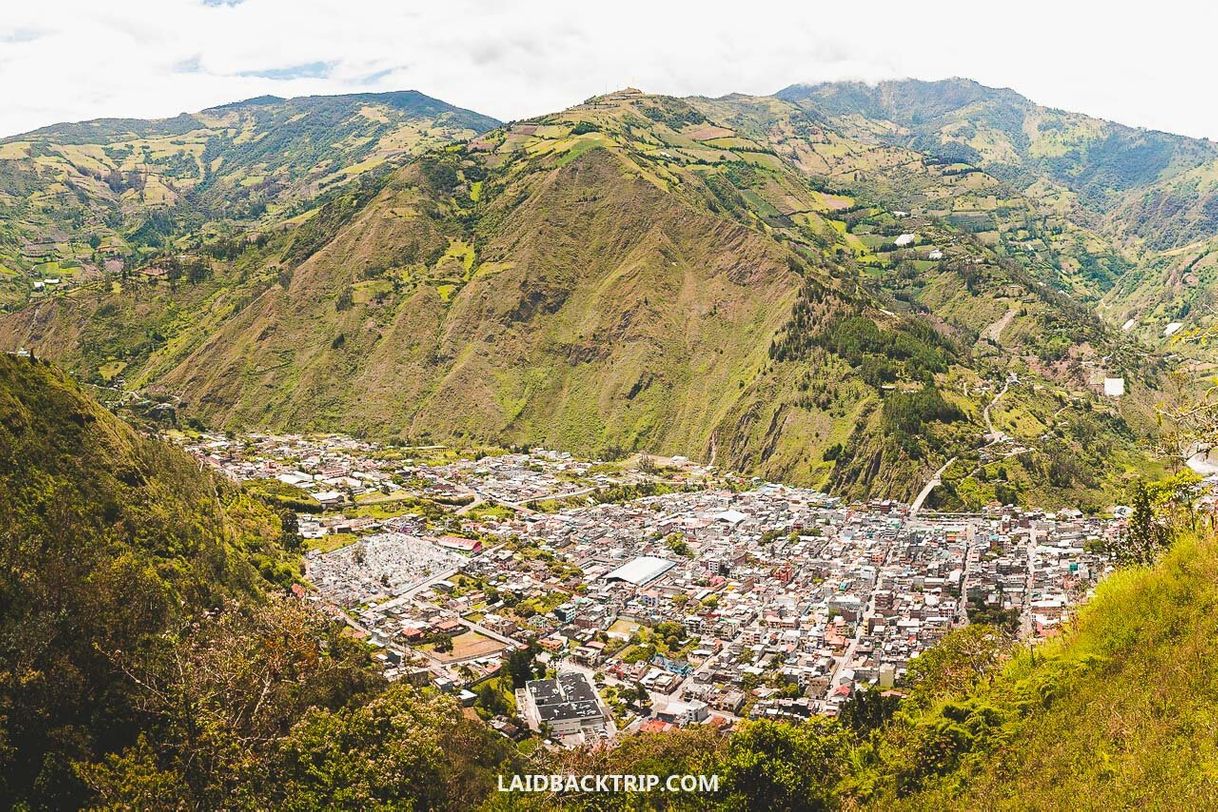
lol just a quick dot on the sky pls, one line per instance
(67, 60)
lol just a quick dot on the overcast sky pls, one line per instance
(67, 60)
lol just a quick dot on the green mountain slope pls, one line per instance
(628, 274)
(107, 540)
(76, 199)
(1095, 162)
(1125, 213)
(1118, 711)
(147, 659)
(1035, 226)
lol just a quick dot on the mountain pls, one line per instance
(872, 157)
(108, 539)
(147, 658)
(76, 199)
(634, 273)
(1143, 204)
(1097, 166)
(147, 664)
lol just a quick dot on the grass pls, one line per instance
(331, 542)
(1119, 711)
(111, 369)
(369, 290)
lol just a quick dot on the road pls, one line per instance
(863, 622)
(994, 331)
(522, 507)
(502, 638)
(935, 480)
(971, 556)
(1025, 616)
(991, 435)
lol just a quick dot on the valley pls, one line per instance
(642, 279)
(656, 573)
(360, 451)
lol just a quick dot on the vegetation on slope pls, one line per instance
(80, 200)
(145, 661)
(625, 275)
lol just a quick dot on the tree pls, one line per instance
(1187, 416)
(220, 696)
(1144, 536)
(404, 749)
(958, 662)
(868, 709)
(779, 766)
(521, 666)
(490, 697)
(1177, 498)
(289, 535)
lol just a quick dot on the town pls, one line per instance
(576, 599)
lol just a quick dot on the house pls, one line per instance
(460, 544)
(680, 713)
(330, 498)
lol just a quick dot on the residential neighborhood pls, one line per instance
(652, 593)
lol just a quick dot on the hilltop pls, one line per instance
(79, 199)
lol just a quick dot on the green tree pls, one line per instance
(1144, 535)
(783, 766)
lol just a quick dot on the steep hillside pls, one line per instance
(1130, 214)
(107, 539)
(146, 660)
(1117, 711)
(864, 157)
(627, 274)
(78, 200)
(1095, 163)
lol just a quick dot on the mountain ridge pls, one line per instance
(627, 274)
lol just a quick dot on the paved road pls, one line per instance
(971, 555)
(935, 481)
(1025, 616)
(863, 622)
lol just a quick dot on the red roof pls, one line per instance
(654, 726)
(461, 543)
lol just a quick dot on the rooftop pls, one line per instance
(642, 570)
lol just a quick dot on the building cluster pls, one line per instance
(689, 606)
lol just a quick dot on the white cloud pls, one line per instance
(75, 59)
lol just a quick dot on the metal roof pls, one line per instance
(642, 570)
